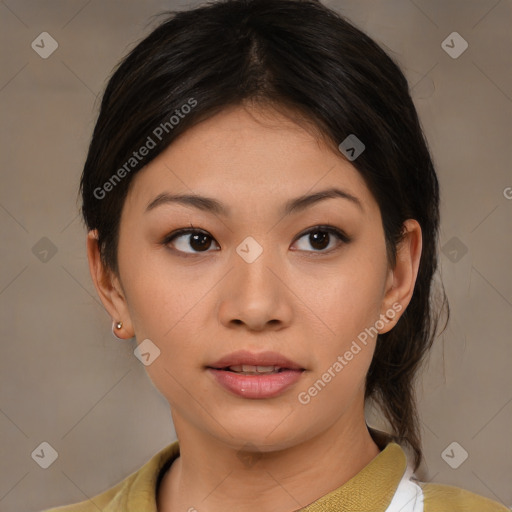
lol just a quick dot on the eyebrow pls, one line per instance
(209, 204)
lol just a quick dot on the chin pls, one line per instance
(272, 434)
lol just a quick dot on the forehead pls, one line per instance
(248, 157)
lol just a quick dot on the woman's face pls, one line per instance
(256, 277)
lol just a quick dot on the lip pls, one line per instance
(255, 359)
(256, 386)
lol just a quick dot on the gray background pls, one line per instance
(66, 381)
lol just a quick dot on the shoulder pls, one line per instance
(138, 489)
(447, 498)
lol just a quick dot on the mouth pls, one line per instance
(244, 361)
(248, 369)
(256, 376)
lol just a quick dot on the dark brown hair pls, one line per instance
(306, 58)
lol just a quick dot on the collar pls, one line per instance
(373, 488)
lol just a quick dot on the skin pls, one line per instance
(305, 302)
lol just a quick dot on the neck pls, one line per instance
(211, 476)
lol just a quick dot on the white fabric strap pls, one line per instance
(408, 496)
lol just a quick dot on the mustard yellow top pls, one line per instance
(370, 490)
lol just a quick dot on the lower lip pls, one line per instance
(256, 386)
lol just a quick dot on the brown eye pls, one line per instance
(319, 238)
(186, 239)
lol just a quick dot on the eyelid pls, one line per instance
(333, 230)
(184, 231)
(327, 228)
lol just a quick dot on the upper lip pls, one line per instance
(242, 357)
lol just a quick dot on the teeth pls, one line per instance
(247, 368)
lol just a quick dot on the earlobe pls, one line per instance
(109, 288)
(401, 279)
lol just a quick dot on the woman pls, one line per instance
(263, 216)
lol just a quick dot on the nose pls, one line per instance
(255, 296)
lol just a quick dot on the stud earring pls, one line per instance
(116, 325)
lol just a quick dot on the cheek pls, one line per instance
(171, 306)
(343, 349)
(159, 293)
(346, 303)
(347, 297)
(166, 308)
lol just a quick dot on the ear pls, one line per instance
(109, 288)
(401, 279)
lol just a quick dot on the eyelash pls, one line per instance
(324, 228)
